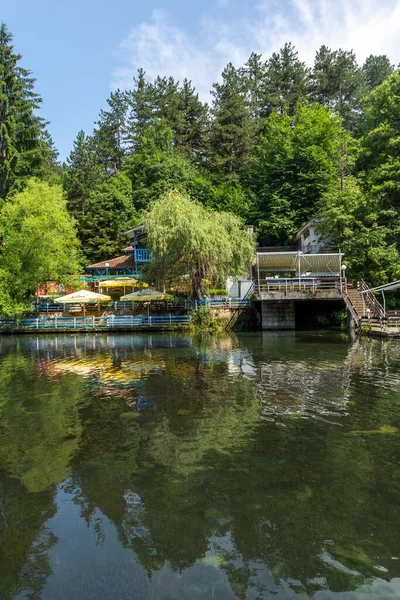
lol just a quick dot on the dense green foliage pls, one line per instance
(279, 143)
(187, 239)
(25, 146)
(38, 243)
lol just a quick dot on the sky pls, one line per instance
(80, 50)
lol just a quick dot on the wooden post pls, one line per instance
(37, 323)
(74, 322)
(55, 322)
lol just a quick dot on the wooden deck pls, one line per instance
(306, 288)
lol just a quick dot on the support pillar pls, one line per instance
(277, 314)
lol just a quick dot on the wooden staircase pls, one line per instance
(362, 305)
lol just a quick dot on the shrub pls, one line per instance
(216, 292)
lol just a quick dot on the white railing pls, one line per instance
(307, 284)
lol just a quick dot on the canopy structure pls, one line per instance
(83, 297)
(146, 296)
(301, 264)
(122, 282)
(387, 287)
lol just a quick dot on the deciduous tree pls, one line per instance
(38, 243)
(187, 239)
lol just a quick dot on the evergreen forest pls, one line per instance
(280, 142)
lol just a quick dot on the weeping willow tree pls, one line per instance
(188, 240)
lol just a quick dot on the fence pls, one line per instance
(297, 284)
(389, 325)
(53, 307)
(224, 302)
(93, 323)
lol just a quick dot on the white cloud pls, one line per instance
(161, 48)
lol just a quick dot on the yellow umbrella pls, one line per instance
(118, 283)
(82, 297)
(146, 296)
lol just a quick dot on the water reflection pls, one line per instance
(171, 466)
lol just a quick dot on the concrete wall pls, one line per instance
(277, 314)
(238, 286)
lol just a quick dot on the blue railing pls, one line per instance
(142, 255)
(53, 307)
(93, 323)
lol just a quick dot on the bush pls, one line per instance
(215, 292)
(201, 318)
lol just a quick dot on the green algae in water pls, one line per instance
(217, 561)
(304, 494)
(385, 429)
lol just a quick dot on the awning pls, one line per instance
(303, 264)
(387, 287)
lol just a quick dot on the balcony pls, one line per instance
(142, 255)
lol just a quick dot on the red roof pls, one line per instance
(127, 260)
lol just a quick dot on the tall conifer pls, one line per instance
(22, 145)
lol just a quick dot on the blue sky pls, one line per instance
(80, 50)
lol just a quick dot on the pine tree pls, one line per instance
(108, 136)
(231, 138)
(22, 150)
(191, 129)
(109, 213)
(141, 111)
(375, 70)
(338, 84)
(287, 81)
(254, 75)
(82, 174)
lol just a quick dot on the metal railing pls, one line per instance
(370, 300)
(243, 304)
(223, 302)
(118, 306)
(349, 305)
(142, 254)
(93, 323)
(311, 284)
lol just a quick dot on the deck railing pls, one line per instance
(142, 254)
(307, 284)
(223, 302)
(93, 323)
(53, 307)
(369, 299)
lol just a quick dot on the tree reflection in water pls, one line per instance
(242, 466)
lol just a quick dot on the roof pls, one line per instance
(131, 232)
(289, 261)
(387, 287)
(127, 260)
(306, 226)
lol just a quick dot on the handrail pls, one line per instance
(93, 323)
(296, 284)
(349, 305)
(370, 299)
(245, 303)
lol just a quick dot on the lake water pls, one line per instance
(168, 467)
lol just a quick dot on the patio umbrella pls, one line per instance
(146, 296)
(118, 283)
(82, 297)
